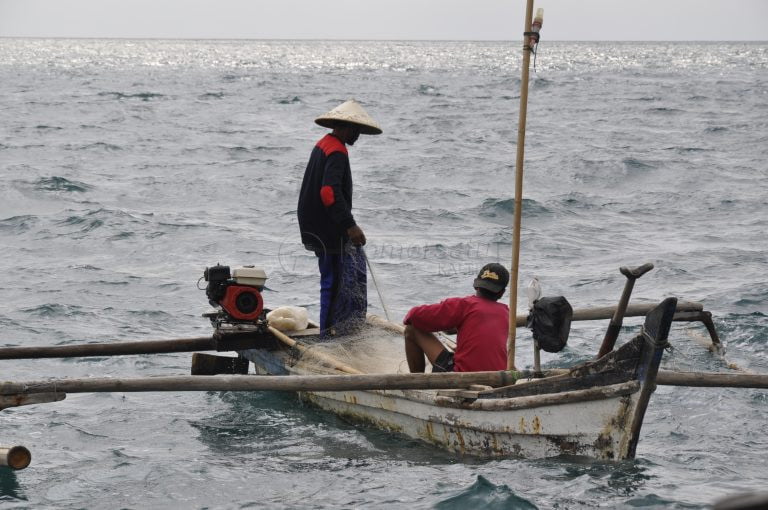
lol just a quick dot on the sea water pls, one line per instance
(128, 166)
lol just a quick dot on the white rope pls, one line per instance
(375, 284)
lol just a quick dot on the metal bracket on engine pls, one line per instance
(242, 336)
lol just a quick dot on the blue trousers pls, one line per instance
(343, 291)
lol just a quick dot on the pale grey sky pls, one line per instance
(564, 20)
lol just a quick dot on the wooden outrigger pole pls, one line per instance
(530, 38)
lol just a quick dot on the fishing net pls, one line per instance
(370, 349)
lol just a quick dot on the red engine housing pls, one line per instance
(242, 302)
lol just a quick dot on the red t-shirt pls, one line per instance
(483, 326)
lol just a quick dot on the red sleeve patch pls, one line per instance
(327, 196)
(330, 144)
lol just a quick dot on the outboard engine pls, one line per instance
(236, 293)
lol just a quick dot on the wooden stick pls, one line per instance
(27, 400)
(444, 380)
(711, 380)
(519, 188)
(333, 362)
(110, 349)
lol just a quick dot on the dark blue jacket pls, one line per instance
(325, 200)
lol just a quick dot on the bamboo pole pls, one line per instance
(693, 379)
(633, 310)
(110, 349)
(519, 188)
(443, 380)
(711, 380)
(695, 311)
(349, 382)
(15, 457)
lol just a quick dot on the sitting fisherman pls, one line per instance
(482, 324)
(327, 225)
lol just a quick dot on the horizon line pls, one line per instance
(311, 39)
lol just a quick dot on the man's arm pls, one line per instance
(333, 198)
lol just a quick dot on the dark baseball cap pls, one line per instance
(493, 277)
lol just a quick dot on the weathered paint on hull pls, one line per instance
(595, 428)
(583, 428)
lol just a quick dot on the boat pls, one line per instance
(595, 409)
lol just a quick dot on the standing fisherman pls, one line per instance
(326, 222)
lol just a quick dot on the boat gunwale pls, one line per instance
(430, 397)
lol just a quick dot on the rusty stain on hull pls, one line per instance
(618, 426)
(455, 438)
(536, 425)
(566, 446)
(462, 446)
(357, 417)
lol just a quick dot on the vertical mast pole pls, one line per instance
(519, 188)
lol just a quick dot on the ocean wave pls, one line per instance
(110, 147)
(428, 90)
(539, 82)
(484, 494)
(50, 310)
(86, 267)
(122, 235)
(87, 223)
(56, 183)
(143, 96)
(235, 148)
(684, 150)
(505, 207)
(578, 201)
(634, 164)
(665, 110)
(18, 224)
(105, 220)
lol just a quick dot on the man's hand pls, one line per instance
(356, 235)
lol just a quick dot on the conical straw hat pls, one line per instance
(350, 111)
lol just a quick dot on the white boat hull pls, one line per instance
(597, 427)
(595, 410)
